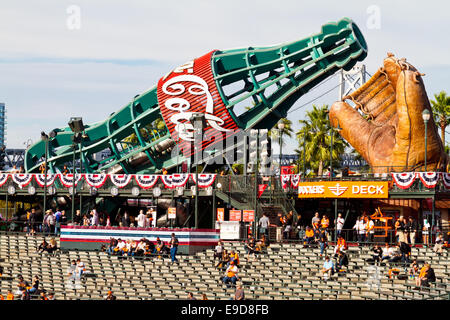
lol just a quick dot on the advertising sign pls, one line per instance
(235, 215)
(249, 215)
(343, 189)
(220, 214)
(172, 211)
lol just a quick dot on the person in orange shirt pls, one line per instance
(324, 223)
(309, 236)
(10, 295)
(341, 245)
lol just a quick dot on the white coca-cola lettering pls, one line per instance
(174, 87)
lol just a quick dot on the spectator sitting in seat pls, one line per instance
(396, 254)
(377, 253)
(160, 247)
(250, 247)
(234, 257)
(80, 269)
(439, 244)
(72, 271)
(22, 285)
(309, 236)
(388, 252)
(140, 248)
(52, 246)
(426, 276)
(112, 245)
(35, 286)
(342, 261)
(43, 246)
(120, 249)
(225, 259)
(231, 274)
(328, 268)
(414, 269)
(218, 250)
(262, 244)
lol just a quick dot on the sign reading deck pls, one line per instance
(343, 189)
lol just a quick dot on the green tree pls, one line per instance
(315, 134)
(441, 112)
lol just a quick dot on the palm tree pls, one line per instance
(315, 134)
(275, 133)
(441, 111)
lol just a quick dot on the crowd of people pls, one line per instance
(144, 247)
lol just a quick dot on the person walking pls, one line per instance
(263, 224)
(173, 243)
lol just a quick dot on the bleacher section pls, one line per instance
(286, 271)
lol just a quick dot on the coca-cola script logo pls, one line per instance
(177, 86)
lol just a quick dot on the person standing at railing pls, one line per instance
(425, 232)
(32, 222)
(339, 224)
(360, 229)
(370, 230)
(315, 223)
(400, 229)
(411, 227)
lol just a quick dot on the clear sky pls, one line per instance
(61, 59)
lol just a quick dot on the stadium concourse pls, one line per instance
(287, 271)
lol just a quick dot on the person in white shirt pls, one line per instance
(95, 218)
(80, 269)
(339, 223)
(141, 219)
(360, 229)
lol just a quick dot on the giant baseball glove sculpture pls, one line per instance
(390, 132)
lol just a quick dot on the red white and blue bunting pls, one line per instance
(179, 180)
(204, 179)
(146, 181)
(120, 180)
(446, 179)
(40, 179)
(22, 179)
(167, 180)
(404, 180)
(429, 179)
(67, 179)
(3, 178)
(95, 180)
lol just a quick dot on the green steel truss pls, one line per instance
(258, 86)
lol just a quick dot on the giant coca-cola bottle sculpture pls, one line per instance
(238, 89)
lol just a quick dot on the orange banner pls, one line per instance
(343, 189)
(220, 214)
(235, 215)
